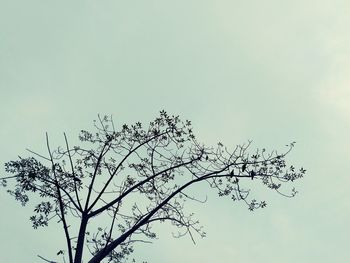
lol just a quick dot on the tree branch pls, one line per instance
(119, 165)
(49, 261)
(73, 173)
(119, 198)
(61, 206)
(94, 176)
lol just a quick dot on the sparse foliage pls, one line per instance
(119, 182)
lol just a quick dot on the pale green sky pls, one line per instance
(272, 71)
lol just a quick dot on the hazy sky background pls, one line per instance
(270, 71)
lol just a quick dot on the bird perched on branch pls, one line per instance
(252, 174)
(244, 167)
(232, 173)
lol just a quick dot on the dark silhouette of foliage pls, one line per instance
(135, 177)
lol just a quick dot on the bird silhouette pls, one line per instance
(244, 167)
(252, 174)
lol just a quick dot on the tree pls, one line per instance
(135, 177)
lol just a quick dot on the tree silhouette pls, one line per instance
(109, 191)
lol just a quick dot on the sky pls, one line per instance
(270, 71)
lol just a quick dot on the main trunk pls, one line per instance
(81, 239)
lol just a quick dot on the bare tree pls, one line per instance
(119, 182)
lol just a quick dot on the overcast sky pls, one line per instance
(271, 71)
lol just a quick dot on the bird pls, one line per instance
(231, 173)
(244, 166)
(252, 174)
